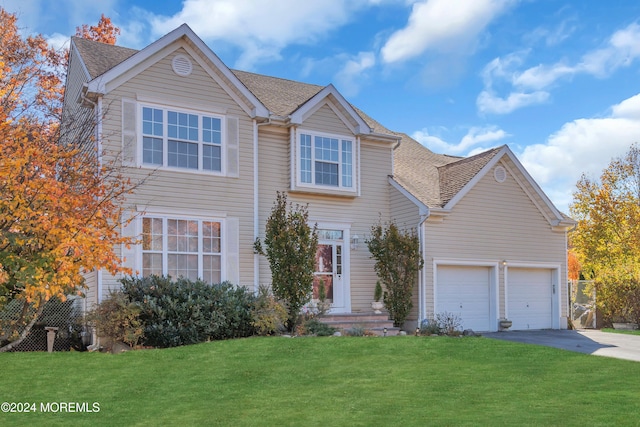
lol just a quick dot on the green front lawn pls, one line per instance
(622, 331)
(329, 381)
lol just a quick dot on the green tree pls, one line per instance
(291, 245)
(607, 237)
(398, 260)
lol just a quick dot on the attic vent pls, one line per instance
(181, 65)
(500, 174)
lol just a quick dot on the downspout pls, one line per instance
(292, 157)
(99, 154)
(98, 114)
(95, 340)
(256, 202)
(422, 235)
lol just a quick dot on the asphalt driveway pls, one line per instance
(620, 346)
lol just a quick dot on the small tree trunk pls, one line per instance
(26, 330)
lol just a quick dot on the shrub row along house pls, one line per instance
(217, 144)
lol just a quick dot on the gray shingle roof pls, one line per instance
(416, 168)
(433, 178)
(101, 57)
(454, 176)
(281, 96)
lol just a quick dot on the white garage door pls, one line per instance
(529, 298)
(465, 291)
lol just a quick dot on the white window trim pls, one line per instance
(165, 216)
(354, 161)
(165, 145)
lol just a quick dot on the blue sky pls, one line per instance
(556, 80)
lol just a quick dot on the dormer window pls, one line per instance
(326, 161)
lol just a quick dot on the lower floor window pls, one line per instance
(189, 248)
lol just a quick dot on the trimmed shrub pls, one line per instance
(269, 315)
(429, 327)
(449, 323)
(179, 312)
(315, 327)
(118, 319)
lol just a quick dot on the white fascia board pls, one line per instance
(311, 105)
(506, 151)
(99, 84)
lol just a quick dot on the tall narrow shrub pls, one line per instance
(398, 260)
(290, 246)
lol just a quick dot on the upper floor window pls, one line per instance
(180, 139)
(326, 161)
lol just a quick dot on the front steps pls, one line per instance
(371, 322)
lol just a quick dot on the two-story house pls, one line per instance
(216, 145)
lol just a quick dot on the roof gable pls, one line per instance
(330, 96)
(116, 70)
(440, 182)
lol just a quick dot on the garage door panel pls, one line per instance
(529, 298)
(465, 291)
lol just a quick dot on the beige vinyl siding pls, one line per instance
(404, 212)
(183, 191)
(326, 120)
(358, 212)
(78, 121)
(91, 291)
(494, 222)
(406, 215)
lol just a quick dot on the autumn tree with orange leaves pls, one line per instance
(60, 207)
(104, 32)
(607, 237)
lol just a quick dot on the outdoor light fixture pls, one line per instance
(384, 331)
(417, 331)
(354, 242)
(504, 262)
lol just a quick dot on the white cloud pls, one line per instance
(497, 71)
(479, 135)
(40, 16)
(58, 41)
(553, 36)
(586, 146)
(489, 102)
(432, 142)
(441, 25)
(469, 143)
(541, 76)
(353, 75)
(261, 32)
(531, 86)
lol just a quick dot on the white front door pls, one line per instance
(331, 269)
